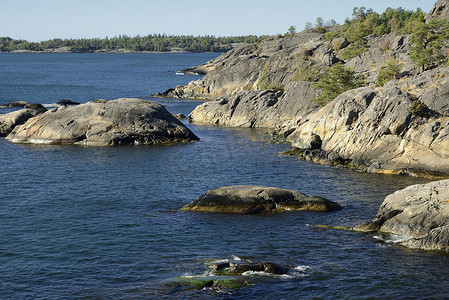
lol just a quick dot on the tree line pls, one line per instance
(152, 43)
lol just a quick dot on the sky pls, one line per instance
(38, 20)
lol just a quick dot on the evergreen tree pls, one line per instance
(427, 43)
(336, 80)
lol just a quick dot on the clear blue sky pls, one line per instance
(36, 20)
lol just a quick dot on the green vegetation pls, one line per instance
(306, 71)
(265, 83)
(365, 22)
(155, 43)
(390, 72)
(320, 25)
(419, 109)
(264, 80)
(427, 43)
(336, 80)
(291, 31)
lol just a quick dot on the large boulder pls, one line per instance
(116, 122)
(244, 199)
(418, 213)
(10, 120)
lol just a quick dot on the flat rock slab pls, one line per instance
(244, 199)
(419, 213)
(104, 123)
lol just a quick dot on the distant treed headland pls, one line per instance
(150, 43)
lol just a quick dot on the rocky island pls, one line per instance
(244, 199)
(394, 120)
(100, 123)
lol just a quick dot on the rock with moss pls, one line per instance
(230, 274)
(116, 122)
(240, 267)
(418, 213)
(245, 199)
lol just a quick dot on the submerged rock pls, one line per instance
(419, 213)
(116, 122)
(231, 274)
(258, 199)
(240, 267)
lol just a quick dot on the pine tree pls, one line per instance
(336, 80)
(427, 43)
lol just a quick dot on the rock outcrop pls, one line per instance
(418, 213)
(105, 123)
(376, 130)
(267, 108)
(258, 199)
(440, 10)
(10, 120)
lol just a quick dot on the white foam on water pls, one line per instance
(233, 257)
(302, 268)
(257, 273)
(391, 238)
(298, 272)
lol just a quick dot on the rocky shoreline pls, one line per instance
(375, 128)
(398, 127)
(418, 215)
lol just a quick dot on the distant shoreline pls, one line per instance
(124, 51)
(126, 44)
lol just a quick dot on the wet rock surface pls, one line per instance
(418, 213)
(258, 199)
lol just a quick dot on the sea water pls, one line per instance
(104, 223)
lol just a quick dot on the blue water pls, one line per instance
(103, 223)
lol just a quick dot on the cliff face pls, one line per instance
(269, 85)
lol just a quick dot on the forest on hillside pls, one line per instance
(149, 43)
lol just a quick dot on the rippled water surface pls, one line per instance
(80, 222)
